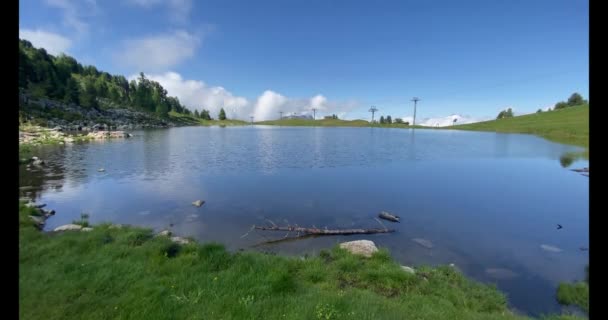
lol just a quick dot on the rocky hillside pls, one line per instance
(72, 117)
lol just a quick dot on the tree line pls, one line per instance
(389, 120)
(575, 100)
(65, 79)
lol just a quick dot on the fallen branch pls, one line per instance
(283, 240)
(329, 232)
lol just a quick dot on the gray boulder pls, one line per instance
(360, 247)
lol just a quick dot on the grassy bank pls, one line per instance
(576, 294)
(112, 273)
(568, 126)
(190, 120)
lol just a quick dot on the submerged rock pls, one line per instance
(550, 248)
(360, 247)
(47, 213)
(423, 242)
(67, 227)
(39, 221)
(191, 217)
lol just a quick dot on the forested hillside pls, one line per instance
(63, 79)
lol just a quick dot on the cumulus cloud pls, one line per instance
(53, 43)
(269, 104)
(196, 95)
(157, 52)
(318, 102)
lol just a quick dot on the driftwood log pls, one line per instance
(387, 216)
(320, 232)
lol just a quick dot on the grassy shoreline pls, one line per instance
(567, 126)
(129, 273)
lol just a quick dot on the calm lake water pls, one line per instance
(484, 200)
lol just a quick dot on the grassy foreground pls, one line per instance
(119, 273)
(575, 293)
(568, 126)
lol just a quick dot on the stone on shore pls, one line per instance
(360, 247)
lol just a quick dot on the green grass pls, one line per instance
(192, 121)
(568, 126)
(111, 273)
(575, 293)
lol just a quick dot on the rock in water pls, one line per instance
(387, 216)
(550, 248)
(67, 227)
(361, 247)
(191, 217)
(423, 242)
(39, 221)
(198, 203)
(501, 273)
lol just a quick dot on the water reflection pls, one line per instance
(461, 190)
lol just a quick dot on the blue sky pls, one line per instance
(472, 58)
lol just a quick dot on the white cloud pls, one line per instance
(269, 104)
(179, 10)
(53, 43)
(157, 52)
(318, 102)
(196, 95)
(72, 13)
